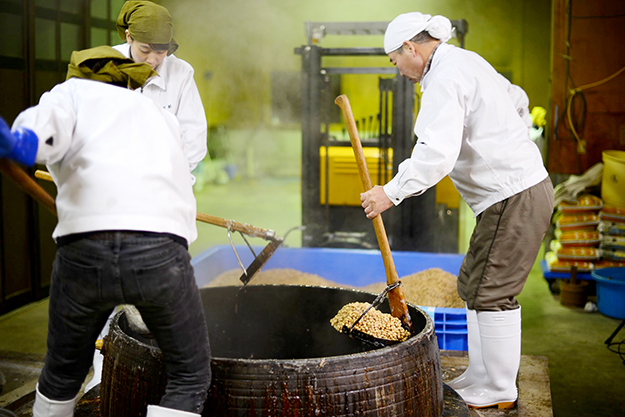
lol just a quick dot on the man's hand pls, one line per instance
(375, 201)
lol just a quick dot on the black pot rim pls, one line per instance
(427, 330)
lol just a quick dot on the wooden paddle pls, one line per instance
(396, 298)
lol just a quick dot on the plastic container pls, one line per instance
(610, 291)
(356, 267)
(344, 183)
(613, 180)
(450, 325)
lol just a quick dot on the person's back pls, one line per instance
(126, 217)
(132, 172)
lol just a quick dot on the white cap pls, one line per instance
(406, 26)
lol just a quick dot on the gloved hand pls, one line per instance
(20, 145)
(7, 140)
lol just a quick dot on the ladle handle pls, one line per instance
(244, 228)
(396, 298)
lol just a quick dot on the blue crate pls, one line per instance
(450, 325)
(356, 267)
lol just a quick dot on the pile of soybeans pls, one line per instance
(374, 323)
(430, 288)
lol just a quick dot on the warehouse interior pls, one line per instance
(267, 120)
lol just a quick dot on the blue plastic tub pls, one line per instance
(610, 291)
(356, 267)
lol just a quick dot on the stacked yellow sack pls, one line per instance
(577, 236)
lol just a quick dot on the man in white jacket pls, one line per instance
(126, 215)
(470, 128)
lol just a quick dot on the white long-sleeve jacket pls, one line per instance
(520, 100)
(469, 128)
(175, 91)
(116, 158)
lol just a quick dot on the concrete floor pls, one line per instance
(586, 378)
(533, 384)
(534, 393)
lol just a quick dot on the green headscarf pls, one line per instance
(108, 65)
(147, 22)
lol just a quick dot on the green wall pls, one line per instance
(235, 45)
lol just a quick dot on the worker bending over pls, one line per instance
(469, 128)
(126, 215)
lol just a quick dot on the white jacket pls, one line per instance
(175, 91)
(116, 159)
(469, 128)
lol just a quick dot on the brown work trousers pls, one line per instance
(503, 249)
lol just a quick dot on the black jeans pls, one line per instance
(90, 277)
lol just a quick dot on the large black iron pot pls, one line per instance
(276, 354)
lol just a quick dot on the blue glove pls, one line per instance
(20, 145)
(7, 140)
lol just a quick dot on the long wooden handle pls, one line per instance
(25, 182)
(205, 218)
(396, 298)
(244, 228)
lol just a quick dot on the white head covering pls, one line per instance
(405, 26)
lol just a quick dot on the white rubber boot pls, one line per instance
(500, 334)
(475, 372)
(45, 407)
(158, 411)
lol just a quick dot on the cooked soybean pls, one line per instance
(375, 323)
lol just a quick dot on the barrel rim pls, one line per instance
(427, 331)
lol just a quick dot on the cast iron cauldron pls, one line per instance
(276, 354)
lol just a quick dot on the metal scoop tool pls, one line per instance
(354, 333)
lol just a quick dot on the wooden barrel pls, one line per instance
(274, 353)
